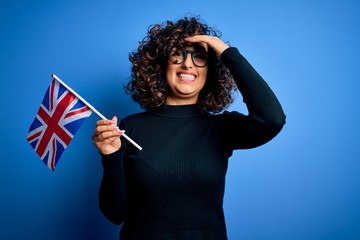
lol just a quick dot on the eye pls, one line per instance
(176, 57)
(200, 55)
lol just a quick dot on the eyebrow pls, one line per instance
(198, 47)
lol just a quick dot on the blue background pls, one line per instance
(305, 184)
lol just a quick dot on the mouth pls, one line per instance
(186, 77)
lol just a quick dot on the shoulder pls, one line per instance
(230, 54)
(229, 118)
(229, 114)
(134, 118)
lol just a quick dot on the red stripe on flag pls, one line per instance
(53, 154)
(51, 95)
(52, 123)
(81, 110)
(29, 139)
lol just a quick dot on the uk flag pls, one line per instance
(59, 117)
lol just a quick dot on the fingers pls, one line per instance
(201, 40)
(107, 122)
(106, 133)
(106, 129)
(114, 120)
(198, 38)
(106, 136)
(213, 42)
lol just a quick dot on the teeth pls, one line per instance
(187, 76)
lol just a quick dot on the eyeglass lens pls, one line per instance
(199, 58)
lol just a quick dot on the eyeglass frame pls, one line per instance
(184, 54)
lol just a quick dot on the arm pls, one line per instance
(266, 117)
(113, 200)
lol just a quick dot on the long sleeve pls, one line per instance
(113, 197)
(266, 117)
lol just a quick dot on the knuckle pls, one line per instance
(102, 135)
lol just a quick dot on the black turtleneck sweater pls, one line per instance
(174, 187)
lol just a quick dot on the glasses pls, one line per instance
(199, 58)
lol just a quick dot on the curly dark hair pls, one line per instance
(148, 85)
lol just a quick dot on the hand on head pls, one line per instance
(209, 41)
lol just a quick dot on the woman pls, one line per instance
(183, 75)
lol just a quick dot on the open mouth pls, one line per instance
(186, 77)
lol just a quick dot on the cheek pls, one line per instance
(203, 74)
(170, 71)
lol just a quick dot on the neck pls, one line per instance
(176, 101)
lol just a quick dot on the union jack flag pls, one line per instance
(60, 115)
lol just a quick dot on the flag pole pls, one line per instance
(92, 108)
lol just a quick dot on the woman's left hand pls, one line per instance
(210, 41)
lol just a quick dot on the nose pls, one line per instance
(188, 61)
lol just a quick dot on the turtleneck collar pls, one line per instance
(178, 111)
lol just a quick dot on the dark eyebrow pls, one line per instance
(199, 48)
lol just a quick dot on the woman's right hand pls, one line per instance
(106, 136)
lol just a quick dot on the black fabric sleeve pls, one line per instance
(113, 197)
(266, 117)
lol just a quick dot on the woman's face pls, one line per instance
(184, 77)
